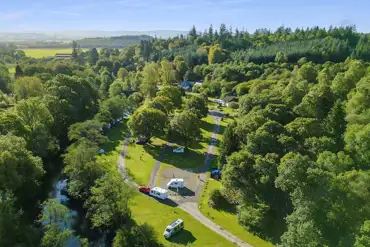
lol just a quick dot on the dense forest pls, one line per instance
(296, 156)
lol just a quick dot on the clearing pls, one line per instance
(40, 53)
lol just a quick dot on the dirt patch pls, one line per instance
(190, 179)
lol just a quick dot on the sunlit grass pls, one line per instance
(158, 215)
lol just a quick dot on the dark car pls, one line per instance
(144, 189)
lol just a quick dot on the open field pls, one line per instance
(40, 53)
(226, 217)
(158, 215)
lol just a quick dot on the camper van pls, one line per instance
(159, 193)
(176, 183)
(173, 228)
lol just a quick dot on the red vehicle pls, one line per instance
(144, 189)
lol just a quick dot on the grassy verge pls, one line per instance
(158, 215)
(227, 217)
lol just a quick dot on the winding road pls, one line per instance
(190, 206)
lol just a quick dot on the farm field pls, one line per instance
(40, 53)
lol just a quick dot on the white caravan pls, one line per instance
(176, 183)
(173, 228)
(159, 193)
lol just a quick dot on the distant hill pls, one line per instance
(112, 42)
(69, 35)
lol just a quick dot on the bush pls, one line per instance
(234, 105)
(216, 199)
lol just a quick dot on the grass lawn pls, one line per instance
(227, 219)
(116, 135)
(40, 53)
(158, 215)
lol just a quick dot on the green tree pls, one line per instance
(18, 71)
(198, 105)
(161, 103)
(136, 236)
(55, 220)
(216, 54)
(173, 93)
(20, 171)
(37, 119)
(281, 57)
(82, 168)
(93, 56)
(108, 204)
(184, 127)
(147, 122)
(167, 73)
(122, 74)
(5, 82)
(88, 130)
(363, 238)
(26, 87)
(151, 77)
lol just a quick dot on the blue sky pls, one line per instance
(56, 15)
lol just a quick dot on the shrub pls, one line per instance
(233, 105)
(216, 198)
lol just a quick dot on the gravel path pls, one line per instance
(121, 161)
(157, 165)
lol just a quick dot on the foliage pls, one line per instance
(198, 105)
(184, 127)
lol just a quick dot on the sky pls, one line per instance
(134, 15)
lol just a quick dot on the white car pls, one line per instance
(173, 228)
(176, 183)
(179, 150)
(101, 151)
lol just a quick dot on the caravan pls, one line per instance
(159, 193)
(176, 183)
(173, 228)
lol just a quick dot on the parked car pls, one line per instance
(159, 193)
(142, 141)
(173, 228)
(176, 183)
(144, 189)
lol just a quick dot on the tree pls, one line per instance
(198, 105)
(281, 57)
(136, 236)
(87, 131)
(82, 169)
(5, 82)
(26, 87)
(13, 230)
(184, 127)
(357, 141)
(55, 219)
(363, 238)
(74, 50)
(18, 71)
(108, 204)
(20, 171)
(122, 74)
(147, 122)
(93, 56)
(173, 93)
(116, 106)
(150, 80)
(216, 54)
(37, 119)
(167, 73)
(161, 103)
(229, 143)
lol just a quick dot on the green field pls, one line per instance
(158, 215)
(227, 218)
(40, 53)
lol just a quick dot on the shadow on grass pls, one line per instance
(184, 237)
(209, 127)
(115, 135)
(167, 201)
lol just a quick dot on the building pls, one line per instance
(63, 56)
(186, 85)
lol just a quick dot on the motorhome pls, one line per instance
(173, 228)
(176, 183)
(159, 193)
